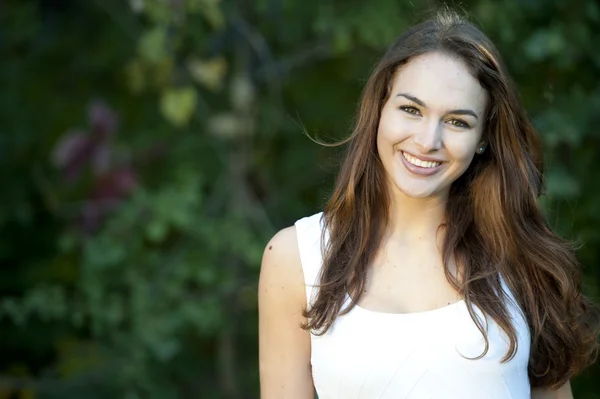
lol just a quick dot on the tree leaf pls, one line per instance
(208, 73)
(152, 45)
(178, 105)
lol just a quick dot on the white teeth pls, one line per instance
(419, 163)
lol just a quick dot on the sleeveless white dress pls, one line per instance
(423, 355)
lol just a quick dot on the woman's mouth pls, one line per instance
(419, 166)
(420, 163)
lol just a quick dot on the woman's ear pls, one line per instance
(481, 147)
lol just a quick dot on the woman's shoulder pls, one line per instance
(293, 255)
(288, 242)
(281, 269)
(282, 247)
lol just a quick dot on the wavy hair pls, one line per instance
(493, 222)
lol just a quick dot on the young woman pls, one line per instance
(431, 272)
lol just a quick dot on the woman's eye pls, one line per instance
(459, 123)
(410, 110)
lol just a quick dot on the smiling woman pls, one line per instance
(431, 271)
(429, 125)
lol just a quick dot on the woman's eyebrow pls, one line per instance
(422, 104)
(412, 98)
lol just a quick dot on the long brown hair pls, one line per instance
(494, 223)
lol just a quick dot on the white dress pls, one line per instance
(374, 355)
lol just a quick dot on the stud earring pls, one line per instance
(481, 149)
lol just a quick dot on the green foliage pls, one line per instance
(132, 273)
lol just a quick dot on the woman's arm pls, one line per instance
(563, 392)
(284, 347)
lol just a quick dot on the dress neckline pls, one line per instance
(422, 313)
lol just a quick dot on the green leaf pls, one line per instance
(210, 11)
(209, 73)
(178, 105)
(157, 230)
(152, 45)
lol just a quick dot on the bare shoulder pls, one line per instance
(282, 247)
(281, 268)
(284, 346)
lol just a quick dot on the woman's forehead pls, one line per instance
(440, 80)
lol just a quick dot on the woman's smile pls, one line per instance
(420, 166)
(431, 123)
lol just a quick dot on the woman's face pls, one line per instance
(431, 125)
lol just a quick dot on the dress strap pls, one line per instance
(309, 230)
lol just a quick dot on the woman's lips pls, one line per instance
(422, 167)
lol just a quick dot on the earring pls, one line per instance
(481, 149)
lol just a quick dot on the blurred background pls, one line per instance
(150, 148)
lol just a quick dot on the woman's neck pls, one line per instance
(412, 219)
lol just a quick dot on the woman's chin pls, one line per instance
(419, 191)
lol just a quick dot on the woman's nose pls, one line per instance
(428, 137)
